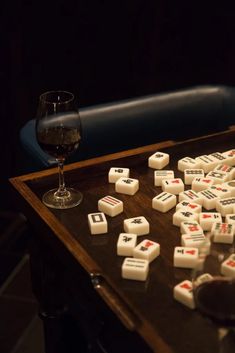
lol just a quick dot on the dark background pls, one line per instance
(105, 50)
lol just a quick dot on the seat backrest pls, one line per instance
(116, 126)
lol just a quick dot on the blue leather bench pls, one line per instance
(140, 121)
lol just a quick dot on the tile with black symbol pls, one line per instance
(126, 244)
(218, 157)
(225, 206)
(110, 206)
(218, 176)
(159, 175)
(137, 225)
(158, 160)
(209, 199)
(183, 293)
(200, 184)
(223, 232)
(135, 269)
(231, 186)
(207, 163)
(190, 227)
(173, 186)
(221, 190)
(180, 216)
(147, 249)
(191, 196)
(189, 206)
(127, 186)
(190, 174)
(195, 240)
(187, 163)
(97, 223)
(185, 257)
(227, 169)
(228, 266)
(207, 219)
(164, 202)
(116, 172)
(230, 157)
(230, 218)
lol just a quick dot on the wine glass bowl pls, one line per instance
(58, 131)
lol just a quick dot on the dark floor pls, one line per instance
(20, 328)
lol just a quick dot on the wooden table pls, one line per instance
(70, 266)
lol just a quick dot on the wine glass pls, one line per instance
(58, 131)
(214, 289)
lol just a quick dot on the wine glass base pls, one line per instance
(74, 198)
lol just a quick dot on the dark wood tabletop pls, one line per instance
(145, 307)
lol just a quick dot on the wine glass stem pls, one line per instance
(62, 189)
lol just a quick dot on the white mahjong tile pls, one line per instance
(227, 169)
(190, 174)
(183, 293)
(230, 218)
(218, 157)
(221, 190)
(173, 186)
(185, 257)
(116, 172)
(225, 206)
(189, 206)
(231, 186)
(230, 157)
(181, 215)
(223, 232)
(164, 202)
(200, 184)
(207, 163)
(205, 277)
(218, 176)
(193, 240)
(190, 227)
(190, 195)
(159, 175)
(128, 186)
(187, 163)
(147, 249)
(137, 225)
(97, 223)
(110, 206)
(126, 244)
(158, 160)
(135, 269)
(209, 199)
(228, 266)
(207, 219)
